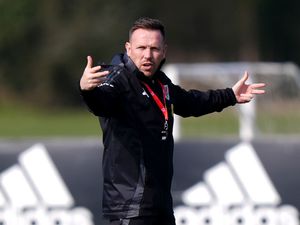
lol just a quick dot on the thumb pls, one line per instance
(89, 62)
(240, 83)
(245, 77)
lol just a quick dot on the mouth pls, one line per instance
(147, 65)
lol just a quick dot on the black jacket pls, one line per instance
(137, 163)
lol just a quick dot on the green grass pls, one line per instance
(215, 124)
(284, 119)
(17, 121)
(21, 121)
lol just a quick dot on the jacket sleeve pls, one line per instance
(197, 103)
(104, 100)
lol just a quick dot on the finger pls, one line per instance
(95, 69)
(257, 91)
(97, 78)
(246, 97)
(89, 62)
(258, 85)
(94, 82)
(99, 74)
(245, 77)
(242, 80)
(256, 88)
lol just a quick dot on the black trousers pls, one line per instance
(147, 220)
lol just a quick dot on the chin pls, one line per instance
(147, 74)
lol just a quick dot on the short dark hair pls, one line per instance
(148, 24)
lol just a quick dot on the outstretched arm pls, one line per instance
(245, 92)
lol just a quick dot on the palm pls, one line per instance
(245, 92)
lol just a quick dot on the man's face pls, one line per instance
(147, 49)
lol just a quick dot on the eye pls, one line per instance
(155, 49)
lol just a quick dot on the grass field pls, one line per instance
(23, 121)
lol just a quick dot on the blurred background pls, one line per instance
(43, 49)
(44, 44)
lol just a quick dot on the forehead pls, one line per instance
(146, 36)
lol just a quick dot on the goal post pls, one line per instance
(227, 74)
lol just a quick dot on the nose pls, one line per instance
(147, 53)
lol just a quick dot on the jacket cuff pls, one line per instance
(231, 96)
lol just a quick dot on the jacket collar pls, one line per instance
(124, 60)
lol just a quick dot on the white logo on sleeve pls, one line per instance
(145, 93)
(34, 193)
(236, 191)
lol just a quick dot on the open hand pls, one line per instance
(245, 92)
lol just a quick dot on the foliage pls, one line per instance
(44, 44)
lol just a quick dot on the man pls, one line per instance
(135, 102)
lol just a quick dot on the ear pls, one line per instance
(128, 47)
(165, 50)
